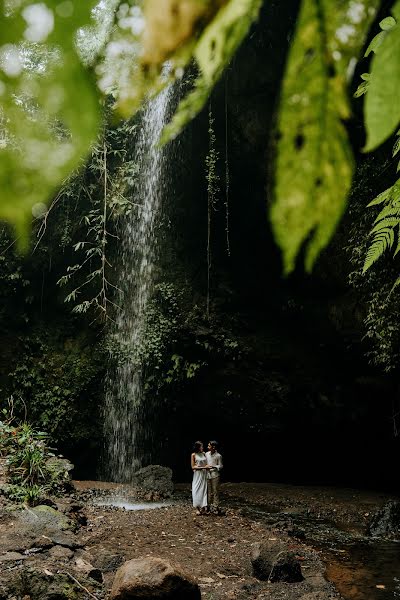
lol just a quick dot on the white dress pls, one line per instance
(199, 483)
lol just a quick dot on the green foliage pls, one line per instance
(27, 453)
(59, 381)
(386, 225)
(42, 82)
(314, 163)
(382, 104)
(46, 85)
(212, 53)
(105, 189)
(375, 307)
(178, 344)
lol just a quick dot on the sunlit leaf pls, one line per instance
(314, 163)
(44, 134)
(213, 52)
(382, 104)
(387, 23)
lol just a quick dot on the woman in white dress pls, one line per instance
(199, 483)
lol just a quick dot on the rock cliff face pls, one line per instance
(299, 399)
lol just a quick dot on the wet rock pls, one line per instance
(386, 522)
(153, 578)
(272, 562)
(154, 481)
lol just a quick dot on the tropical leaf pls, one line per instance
(314, 163)
(213, 52)
(382, 104)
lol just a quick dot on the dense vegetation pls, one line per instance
(224, 331)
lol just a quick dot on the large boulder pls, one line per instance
(41, 526)
(272, 562)
(386, 522)
(153, 579)
(154, 482)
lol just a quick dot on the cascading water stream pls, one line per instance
(124, 418)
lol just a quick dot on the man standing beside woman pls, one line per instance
(214, 461)
(205, 485)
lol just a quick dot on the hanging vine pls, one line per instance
(212, 178)
(90, 276)
(227, 174)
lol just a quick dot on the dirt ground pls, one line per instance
(216, 550)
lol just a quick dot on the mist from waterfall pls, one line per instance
(126, 434)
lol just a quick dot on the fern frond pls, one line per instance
(383, 241)
(388, 222)
(394, 286)
(391, 210)
(382, 197)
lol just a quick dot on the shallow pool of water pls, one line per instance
(128, 505)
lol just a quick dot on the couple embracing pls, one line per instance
(205, 485)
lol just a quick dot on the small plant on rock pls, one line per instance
(30, 470)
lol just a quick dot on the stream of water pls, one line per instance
(126, 433)
(361, 567)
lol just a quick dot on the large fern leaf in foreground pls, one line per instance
(386, 225)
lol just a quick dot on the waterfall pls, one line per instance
(124, 415)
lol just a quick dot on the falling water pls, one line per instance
(125, 429)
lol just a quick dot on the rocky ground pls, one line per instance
(74, 548)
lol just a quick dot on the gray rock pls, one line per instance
(153, 579)
(386, 522)
(40, 527)
(45, 517)
(286, 568)
(272, 562)
(11, 556)
(154, 480)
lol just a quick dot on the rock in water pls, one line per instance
(153, 579)
(386, 522)
(154, 480)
